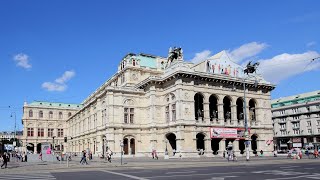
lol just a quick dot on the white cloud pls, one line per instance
(201, 56)
(312, 43)
(65, 77)
(286, 65)
(22, 60)
(50, 86)
(60, 83)
(246, 51)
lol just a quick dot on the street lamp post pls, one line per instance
(15, 126)
(121, 145)
(249, 69)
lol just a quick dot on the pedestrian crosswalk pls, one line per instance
(33, 176)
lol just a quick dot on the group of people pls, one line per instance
(231, 155)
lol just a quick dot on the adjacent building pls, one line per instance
(296, 120)
(45, 123)
(164, 104)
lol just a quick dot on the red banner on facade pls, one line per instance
(237, 133)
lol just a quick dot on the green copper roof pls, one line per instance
(296, 99)
(55, 104)
(146, 61)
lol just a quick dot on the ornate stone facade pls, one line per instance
(148, 105)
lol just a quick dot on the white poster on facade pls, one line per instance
(297, 145)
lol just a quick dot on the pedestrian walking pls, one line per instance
(109, 155)
(25, 157)
(4, 161)
(316, 153)
(261, 153)
(40, 156)
(154, 154)
(84, 158)
(307, 153)
(224, 154)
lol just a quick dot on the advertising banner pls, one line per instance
(237, 133)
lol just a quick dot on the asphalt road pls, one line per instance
(242, 172)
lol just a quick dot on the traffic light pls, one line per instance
(65, 139)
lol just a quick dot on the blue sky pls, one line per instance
(63, 50)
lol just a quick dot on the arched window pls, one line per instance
(240, 115)
(50, 114)
(60, 115)
(227, 108)
(69, 114)
(213, 107)
(40, 114)
(133, 62)
(30, 113)
(252, 110)
(198, 106)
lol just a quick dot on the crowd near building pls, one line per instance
(163, 104)
(10, 139)
(296, 121)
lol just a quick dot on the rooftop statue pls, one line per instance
(251, 68)
(175, 53)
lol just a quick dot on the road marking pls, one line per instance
(181, 172)
(125, 175)
(27, 176)
(199, 174)
(311, 176)
(137, 172)
(277, 172)
(285, 167)
(223, 177)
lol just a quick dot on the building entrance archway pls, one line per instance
(30, 147)
(215, 145)
(125, 146)
(242, 146)
(254, 145)
(200, 141)
(171, 144)
(132, 146)
(38, 148)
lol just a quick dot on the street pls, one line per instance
(264, 169)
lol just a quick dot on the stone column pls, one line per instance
(222, 146)
(35, 148)
(208, 149)
(206, 112)
(236, 146)
(234, 119)
(220, 113)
